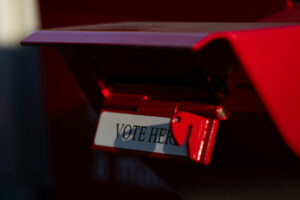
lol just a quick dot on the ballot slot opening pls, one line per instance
(166, 74)
(161, 74)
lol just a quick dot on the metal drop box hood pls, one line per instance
(197, 75)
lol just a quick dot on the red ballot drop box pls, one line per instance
(180, 90)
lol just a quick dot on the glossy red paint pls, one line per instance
(289, 4)
(158, 108)
(207, 110)
(105, 92)
(221, 113)
(199, 132)
(270, 58)
(123, 101)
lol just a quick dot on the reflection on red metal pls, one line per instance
(158, 107)
(145, 98)
(289, 4)
(199, 132)
(129, 102)
(270, 58)
(266, 55)
(221, 113)
(207, 110)
(105, 92)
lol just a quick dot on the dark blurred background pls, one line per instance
(47, 127)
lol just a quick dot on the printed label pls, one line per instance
(137, 132)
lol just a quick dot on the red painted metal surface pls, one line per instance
(270, 57)
(63, 94)
(199, 132)
(123, 101)
(58, 13)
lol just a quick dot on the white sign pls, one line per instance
(137, 132)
